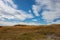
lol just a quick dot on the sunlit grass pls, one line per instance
(30, 32)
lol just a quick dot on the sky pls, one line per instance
(29, 12)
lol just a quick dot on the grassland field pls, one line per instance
(26, 32)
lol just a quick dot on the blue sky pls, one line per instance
(30, 12)
(24, 4)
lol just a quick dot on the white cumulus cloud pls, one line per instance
(9, 11)
(51, 9)
(5, 8)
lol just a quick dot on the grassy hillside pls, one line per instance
(25, 32)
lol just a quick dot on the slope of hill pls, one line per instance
(25, 32)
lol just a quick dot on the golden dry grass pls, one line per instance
(25, 32)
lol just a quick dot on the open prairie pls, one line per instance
(25, 32)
